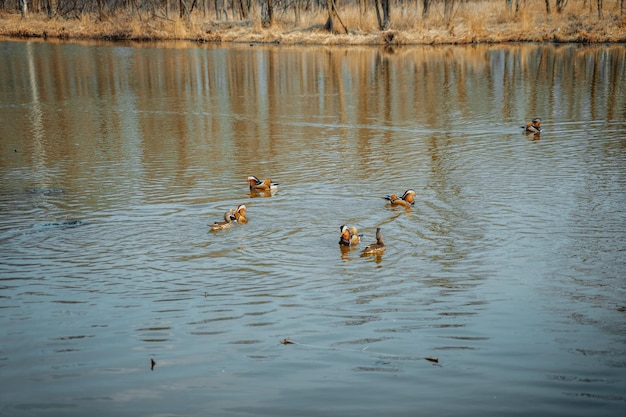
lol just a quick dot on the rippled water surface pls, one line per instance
(510, 270)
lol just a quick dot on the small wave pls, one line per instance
(69, 223)
(46, 191)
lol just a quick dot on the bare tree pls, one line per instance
(297, 8)
(24, 8)
(220, 9)
(600, 9)
(548, 6)
(243, 8)
(267, 13)
(383, 22)
(100, 11)
(51, 7)
(362, 10)
(333, 17)
(425, 4)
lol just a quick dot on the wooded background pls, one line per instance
(242, 10)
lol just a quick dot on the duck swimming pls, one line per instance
(407, 199)
(261, 185)
(344, 237)
(533, 126)
(376, 248)
(240, 214)
(355, 237)
(349, 236)
(229, 217)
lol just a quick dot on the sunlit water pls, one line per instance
(510, 269)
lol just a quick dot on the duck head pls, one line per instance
(344, 238)
(240, 213)
(229, 216)
(536, 123)
(254, 181)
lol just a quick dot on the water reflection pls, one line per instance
(234, 103)
(118, 158)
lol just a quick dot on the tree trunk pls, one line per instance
(24, 8)
(386, 17)
(330, 22)
(599, 9)
(548, 6)
(267, 15)
(100, 12)
(362, 11)
(378, 17)
(425, 4)
(333, 16)
(183, 9)
(382, 13)
(51, 7)
(243, 9)
(297, 7)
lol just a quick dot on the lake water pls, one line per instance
(510, 269)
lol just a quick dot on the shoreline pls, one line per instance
(463, 30)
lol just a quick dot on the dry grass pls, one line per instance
(481, 21)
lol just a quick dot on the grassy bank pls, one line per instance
(483, 21)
